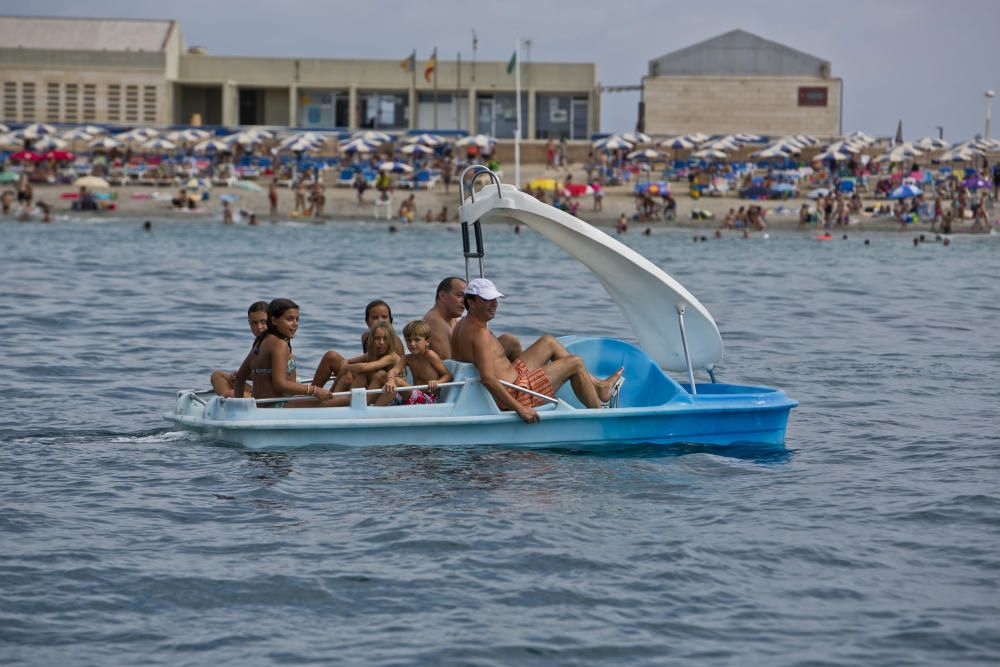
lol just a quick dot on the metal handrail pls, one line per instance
(511, 385)
(479, 171)
(269, 401)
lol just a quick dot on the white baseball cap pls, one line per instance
(484, 289)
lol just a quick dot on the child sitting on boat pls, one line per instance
(270, 363)
(332, 361)
(224, 381)
(379, 362)
(425, 366)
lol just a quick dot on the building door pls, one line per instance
(578, 119)
(251, 106)
(486, 118)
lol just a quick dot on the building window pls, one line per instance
(323, 108)
(27, 101)
(52, 103)
(71, 102)
(89, 101)
(812, 96)
(149, 104)
(384, 110)
(131, 104)
(115, 103)
(558, 116)
(10, 100)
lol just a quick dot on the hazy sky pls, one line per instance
(925, 62)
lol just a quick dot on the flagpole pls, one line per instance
(435, 74)
(517, 114)
(458, 91)
(414, 104)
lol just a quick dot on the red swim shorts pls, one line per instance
(535, 380)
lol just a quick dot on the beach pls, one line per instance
(139, 201)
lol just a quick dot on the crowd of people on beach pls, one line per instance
(519, 379)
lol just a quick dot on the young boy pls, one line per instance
(424, 364)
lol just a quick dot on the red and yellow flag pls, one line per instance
(409, 63)
(431, 64)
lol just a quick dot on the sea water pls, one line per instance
(873, 537)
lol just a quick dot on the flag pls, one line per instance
(899, 132)
(512, 63)
(431, 64)
(409, 63)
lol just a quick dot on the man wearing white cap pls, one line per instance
(544, 367)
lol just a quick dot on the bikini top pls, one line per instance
(290, 367)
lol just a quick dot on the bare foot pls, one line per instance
(603, 387)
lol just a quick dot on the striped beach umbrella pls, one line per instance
(416, 149)
(104, 142)
(210, 146)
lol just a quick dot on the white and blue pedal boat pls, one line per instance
(674, 331)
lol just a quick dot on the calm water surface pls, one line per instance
(872, 538)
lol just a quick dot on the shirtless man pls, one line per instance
(448, 307)
(543, 367)
(223, 381)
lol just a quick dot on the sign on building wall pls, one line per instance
(812, 96)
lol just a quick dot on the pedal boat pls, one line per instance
(675, 333)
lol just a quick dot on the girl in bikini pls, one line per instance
(270, 362)
(379, 363)
(332, 361)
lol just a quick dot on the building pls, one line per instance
(141, 72)
(739, 82)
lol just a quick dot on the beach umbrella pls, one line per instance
(197, 184)
(976, 182)
(25, 156)
(371, 136)
(357, 146)
(301, 146)
(860, 137)
(91, 182)
(830, 155)
(905, 191)
(49, 143)
(749, 138)
(4, 128)
(709, 153)
(242, 138)
(416, 149)
(9, 140)
(36, 130)
(637, 138)
(784, 187)
(770, 152)
(250, 186)
(788, 146)
(898, 154)
(104, 142)
(93, 130)
(931, 143)
(210, 145)
(645, 154)
(58, 156)
(697, 137)
(159, 144)
(395, 167)
(480, 140)
(425, 139)
(677, 143)
(721, 145)
(77, 134)
(612, 143)
(818, 192)
(189, 136)
(841, 147)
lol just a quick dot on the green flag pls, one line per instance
(512, 63)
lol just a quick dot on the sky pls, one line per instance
(925, 63)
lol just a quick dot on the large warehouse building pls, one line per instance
(137, 71)
(739, 82)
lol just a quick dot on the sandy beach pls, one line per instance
(142, 201)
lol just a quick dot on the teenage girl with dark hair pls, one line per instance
(270, 362)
